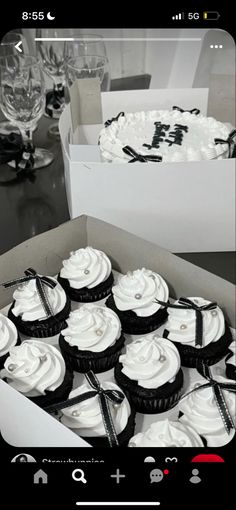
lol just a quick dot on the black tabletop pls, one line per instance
(28, 208)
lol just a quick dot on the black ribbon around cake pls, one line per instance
(194, 111)
(105, 398)
(41, 283)
(188, 304)
(217, 388)
(142, 158)
(230, 142)
(114, 119)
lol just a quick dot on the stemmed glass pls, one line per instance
(22, 100)
(51, 54)
(7, 48)
(89, 66)
(87, 45)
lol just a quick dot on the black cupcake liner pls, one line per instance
(86, 295)
(230, 371)
(83, 361)
(123, 437)
(4, 358)
(150, 401)
(134, 325)
(191, 357)
(44, 328)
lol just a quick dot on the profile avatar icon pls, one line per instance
(195, 478)
(23, 457)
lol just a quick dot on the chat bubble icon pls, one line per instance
(156, 476)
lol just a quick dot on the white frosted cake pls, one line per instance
(164, 135)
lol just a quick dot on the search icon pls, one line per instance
(78, 475)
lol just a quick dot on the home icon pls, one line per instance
(40, 477)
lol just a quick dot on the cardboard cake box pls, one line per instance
(161, 202)
(22, 423)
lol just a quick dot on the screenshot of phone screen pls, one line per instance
(117, 259)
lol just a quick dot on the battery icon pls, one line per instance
(211, 15)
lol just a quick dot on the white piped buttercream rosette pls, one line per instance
(137, 291)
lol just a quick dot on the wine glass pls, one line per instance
(22, 100)
(89, 66)
(86, 45)
(51, 54)
(7, 48)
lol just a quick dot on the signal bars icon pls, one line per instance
(178, 16)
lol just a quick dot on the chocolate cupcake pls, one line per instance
(150, 375)
(93, 339)
(168, 434)
(38, 371)
(231, 361)
(8, 338)
(182, 329)
(200, 410)
(28, 311)
(86, 276)
(86, 419)
(133, 299)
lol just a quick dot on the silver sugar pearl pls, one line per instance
(213, 313)
(75, 413)
(138, 296)
(198, 346)
(162, 358)
(11, 367)
(183, 326)
(156, 337)
(86, 271)
(26, 370)
(99, 332)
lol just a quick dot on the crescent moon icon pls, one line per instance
(49, 16)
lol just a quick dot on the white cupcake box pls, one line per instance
(45, 253)
(161, 202)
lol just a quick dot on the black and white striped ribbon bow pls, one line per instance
(41, 283)
(187, 304)
(105, 397)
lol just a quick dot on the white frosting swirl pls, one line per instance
(138, 290)
(28, 303)
(201, 412)
(231, 358)
(86, 267)
(34, 367)
(166, 433)
(86, 417)
(8, 335)
(92, 328)
(151, 361)
(181, 324)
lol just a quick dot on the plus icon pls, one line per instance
(117, 476)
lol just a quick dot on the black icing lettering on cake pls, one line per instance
(177, 134)
(159, 135)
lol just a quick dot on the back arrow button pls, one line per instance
(17, 46)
